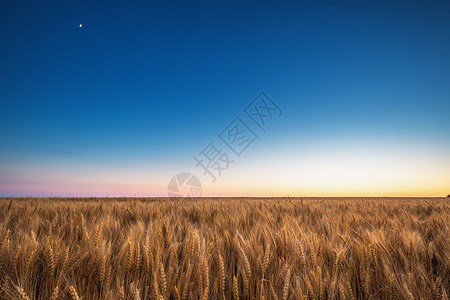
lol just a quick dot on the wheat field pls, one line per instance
(318, 248)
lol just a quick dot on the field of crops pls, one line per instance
(224, 248)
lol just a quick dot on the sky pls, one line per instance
(354, 97)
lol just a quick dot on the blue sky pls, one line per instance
(122, 104)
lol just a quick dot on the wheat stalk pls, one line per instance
(286, 284)
(235, 288)
(73, 293)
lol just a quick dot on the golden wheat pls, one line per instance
(225, 249)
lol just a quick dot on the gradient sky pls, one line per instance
(124, 103)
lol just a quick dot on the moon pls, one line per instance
(81, 25)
